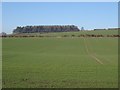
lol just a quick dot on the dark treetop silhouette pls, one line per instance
(46, 29)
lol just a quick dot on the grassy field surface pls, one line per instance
(60, 62)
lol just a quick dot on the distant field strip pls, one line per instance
(91, 54)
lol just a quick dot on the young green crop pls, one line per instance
(60, 62)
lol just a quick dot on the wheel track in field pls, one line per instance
(91, 54)
(103, 58)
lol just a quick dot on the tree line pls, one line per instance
(72, 35)
(45, 29)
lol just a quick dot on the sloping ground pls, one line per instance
(58, 34)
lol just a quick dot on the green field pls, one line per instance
(60, 62)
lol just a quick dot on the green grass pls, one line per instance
(60, 62)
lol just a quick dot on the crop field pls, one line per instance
(60, 62)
